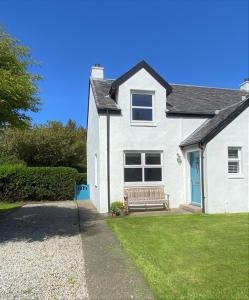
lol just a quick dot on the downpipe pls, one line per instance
(108, 158)
(202, 147)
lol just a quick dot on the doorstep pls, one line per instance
(191, 208)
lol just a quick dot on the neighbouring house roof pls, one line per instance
(210, 128)
(141, 65)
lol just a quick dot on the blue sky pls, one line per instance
(186, 41)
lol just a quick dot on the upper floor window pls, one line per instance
(142, 109)
(234, 160)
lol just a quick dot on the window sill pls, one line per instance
(237, 176)
(149, 183)
(144, 124)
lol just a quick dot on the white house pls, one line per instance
(193, 140)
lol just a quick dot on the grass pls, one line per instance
(7, 207)
(189, 256)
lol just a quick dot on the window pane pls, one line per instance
(233, 167)
(133, 158)
(153, 174)
(141, 100)
(141, 114)
(152, 158)
(233, 153)
(133, 174)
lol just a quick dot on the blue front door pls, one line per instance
(194, 160)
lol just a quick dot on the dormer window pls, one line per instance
(142, 107)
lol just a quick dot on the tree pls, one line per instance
(18, 86)
(51, 144)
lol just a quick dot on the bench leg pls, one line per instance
(164, 206)
(126, 205)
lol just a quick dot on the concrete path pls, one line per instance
(110, 272)
(41, 253)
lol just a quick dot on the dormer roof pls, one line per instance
(141, 65)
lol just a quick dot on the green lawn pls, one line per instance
(189, 256)
(7, 207)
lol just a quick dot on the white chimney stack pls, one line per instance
(97, 72)
(245, 85)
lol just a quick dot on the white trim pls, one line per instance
(153, 108)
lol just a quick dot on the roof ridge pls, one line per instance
(208, 87)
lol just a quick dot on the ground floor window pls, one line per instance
(143, 166)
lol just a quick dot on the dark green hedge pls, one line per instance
(81, 178)
(36, 183)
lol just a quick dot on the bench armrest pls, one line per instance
(167, 201)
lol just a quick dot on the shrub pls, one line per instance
(116, 207)
(11, 160)
(81, 178)
(18, 183)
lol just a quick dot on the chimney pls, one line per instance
(245, 85)
(97, 72)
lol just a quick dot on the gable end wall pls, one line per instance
(226, 194)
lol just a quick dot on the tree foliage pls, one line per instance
(18, 86)
(51, 144)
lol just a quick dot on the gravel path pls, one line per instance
(41, 253)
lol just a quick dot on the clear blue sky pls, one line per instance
(201, 42)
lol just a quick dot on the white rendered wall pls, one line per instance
(165, 136)
(226, 194)
(103, 164)
(92, 149)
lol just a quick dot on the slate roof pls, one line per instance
(102, 98)
(184, 100)
(194, 99)
(210, 128)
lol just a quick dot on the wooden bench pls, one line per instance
(145, 196)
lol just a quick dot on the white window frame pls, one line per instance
(143, 122)
(143, 166)
(95, 170)
(238, 159)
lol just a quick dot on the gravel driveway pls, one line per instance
(41, 253)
